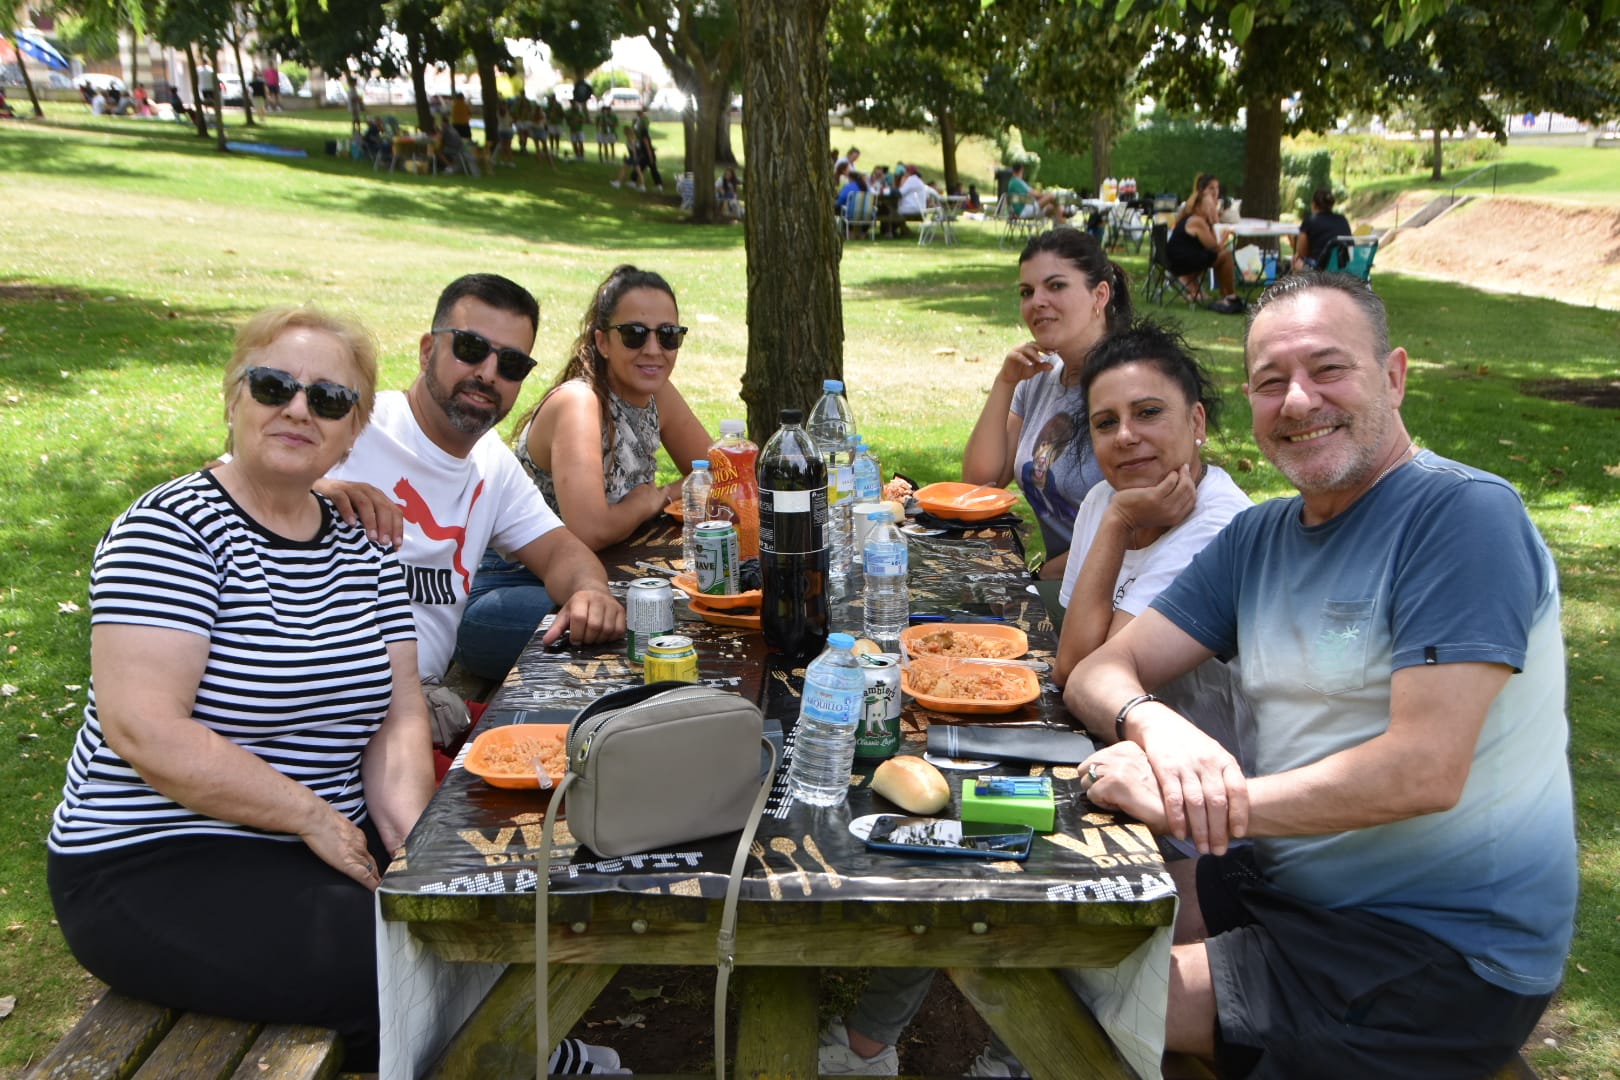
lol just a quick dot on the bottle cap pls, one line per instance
(841, 641)
(833, 386)
(881, 515)
(701, 463)
(732, 427)
(791, 416)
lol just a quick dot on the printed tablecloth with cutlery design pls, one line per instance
(1091, 891)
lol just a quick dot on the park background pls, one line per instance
(131, 250)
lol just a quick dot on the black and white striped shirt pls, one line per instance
(297, 668)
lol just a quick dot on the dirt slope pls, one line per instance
(1565, 251)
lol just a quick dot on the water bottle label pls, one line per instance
(885, 563)
(829, 705)
(846, 485)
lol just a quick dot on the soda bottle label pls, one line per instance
(793, 522)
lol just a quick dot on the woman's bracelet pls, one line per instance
(1119, 719)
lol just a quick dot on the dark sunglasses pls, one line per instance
(274, 387)
(634, 334)
(471, 348)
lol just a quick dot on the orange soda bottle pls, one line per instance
(731, 460)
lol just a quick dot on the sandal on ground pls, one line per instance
(575, 1057)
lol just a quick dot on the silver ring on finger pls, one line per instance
(1092, 774)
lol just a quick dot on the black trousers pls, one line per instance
(232, 926)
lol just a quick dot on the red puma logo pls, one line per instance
(418, 514)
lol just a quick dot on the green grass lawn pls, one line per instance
(1564, 174)
(131, 249)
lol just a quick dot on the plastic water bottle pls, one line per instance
(888, 594)
(868, 476)
(829, 714)
(694, 510)
(793, 541)
(831, 424)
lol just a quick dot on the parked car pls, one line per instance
(97, 81)
(668, 99)
(624, 99)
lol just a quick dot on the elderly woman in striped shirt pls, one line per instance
(255, 742)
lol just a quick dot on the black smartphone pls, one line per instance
(945, 836)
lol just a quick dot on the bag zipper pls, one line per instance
(582, 755)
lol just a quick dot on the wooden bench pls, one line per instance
(123, 1037)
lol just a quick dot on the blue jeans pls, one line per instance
(504, 605)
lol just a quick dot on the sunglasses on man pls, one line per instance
(471, 348)
(634, 334)
(274, 387)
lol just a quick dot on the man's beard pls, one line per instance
(465, 418)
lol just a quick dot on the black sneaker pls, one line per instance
(1230, 305)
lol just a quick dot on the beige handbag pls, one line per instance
(649, 767)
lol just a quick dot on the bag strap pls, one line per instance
(726, 943)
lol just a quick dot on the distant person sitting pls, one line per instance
(1319, 230)
(1025, 202)
(6, 112)
(914, 195)
(853, 186)
(1194, 247)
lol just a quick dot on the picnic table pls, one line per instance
(457, 908)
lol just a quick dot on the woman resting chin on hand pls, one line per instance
(256, 741)
(1151, 406)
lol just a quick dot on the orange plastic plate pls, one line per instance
(911, 635)
(501, 755)
(1030, 688)
(964, 502)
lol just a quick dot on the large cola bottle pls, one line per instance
(793, 540)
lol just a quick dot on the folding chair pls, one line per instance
(1351, 255)
(860, 213)
(686, 189)
(1161, 280)
(936, 222)
(1013, 225)
(1128, 224)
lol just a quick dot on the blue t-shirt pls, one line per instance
(1438, 563)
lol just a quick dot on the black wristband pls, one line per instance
(1119, 718)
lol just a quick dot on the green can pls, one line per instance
(717, 558)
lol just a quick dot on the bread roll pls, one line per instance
(912, 784)
(897, 508)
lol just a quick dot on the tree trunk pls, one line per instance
(492, 97)
(1262, 146)
(424, 114)
(795, 315)
(219, 102)
(723, 153)
(28, 81)
(1438, 171)
(1102, 148)
(197, 116)
(713, 104)
(241, 77)
(947, 143)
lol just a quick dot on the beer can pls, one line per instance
(879, 733)
(649, 611)
(670, 656)
(717, 558)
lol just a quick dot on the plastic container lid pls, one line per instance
(832, 385)
(701, 463)
(733, 427)
(841, 641)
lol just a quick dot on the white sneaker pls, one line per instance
(835, 1058)
(575, 1057)
(615, 183)
(989, 1063)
